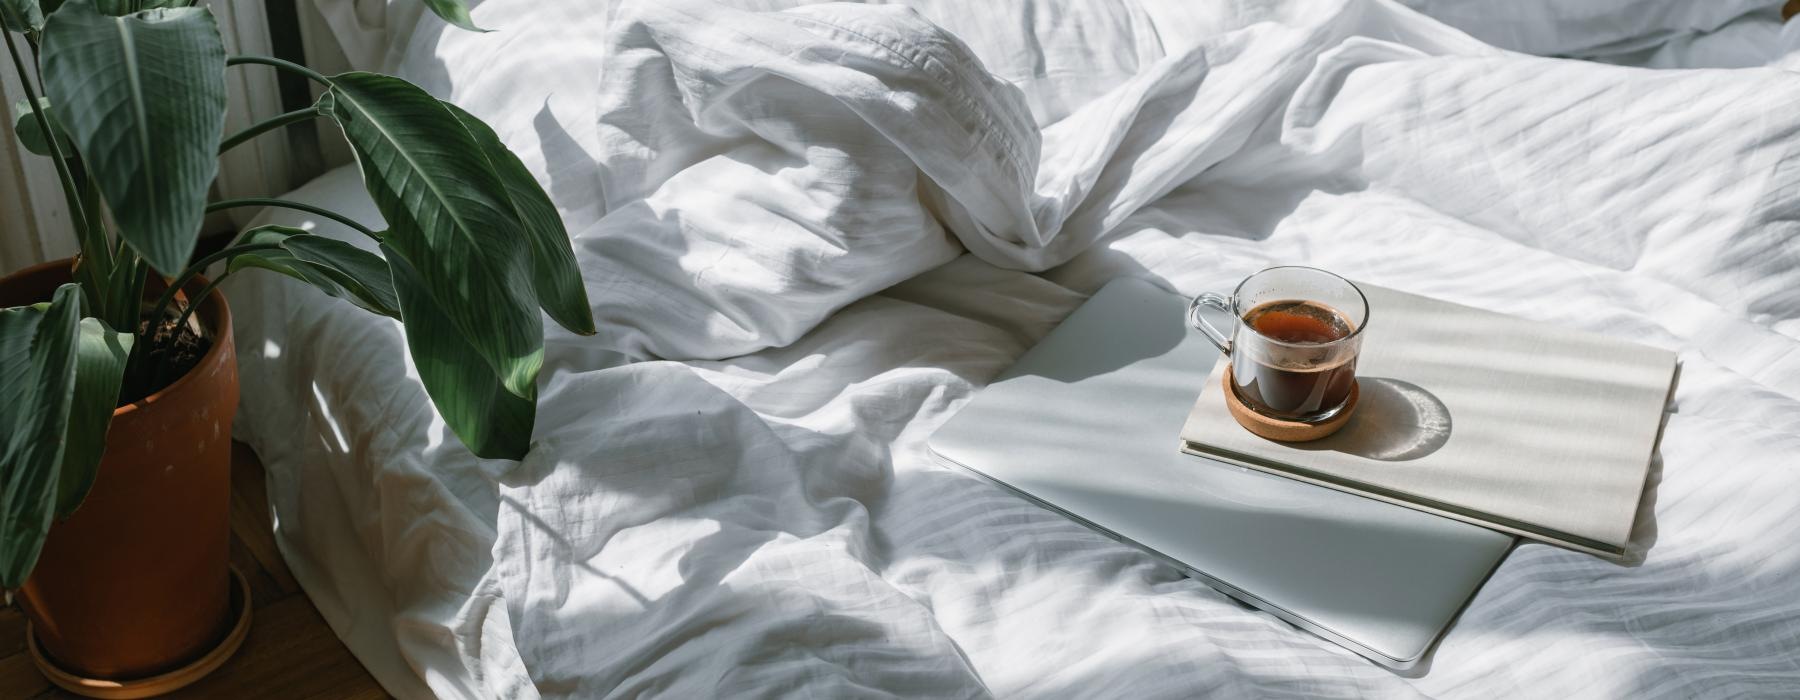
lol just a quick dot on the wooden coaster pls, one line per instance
(161, 683)
(1286, 430)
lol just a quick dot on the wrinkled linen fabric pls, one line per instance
(1588, 28)
(811, 234)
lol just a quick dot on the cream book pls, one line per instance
(1524, 427)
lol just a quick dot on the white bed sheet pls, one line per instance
(760, 518)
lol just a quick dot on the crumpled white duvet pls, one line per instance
(811, 234)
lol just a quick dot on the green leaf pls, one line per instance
(490, 420)
(25, 125)
(143, 98)
(100, 354)
(120, 8)
(124, 291)
(333, 266)
(364, 273)
(455, 12)
(37, 379)
(22, 15)
(448, 216)
(555, 275)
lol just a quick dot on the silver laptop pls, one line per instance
(1088, 422)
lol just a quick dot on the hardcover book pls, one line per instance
(1524, 427)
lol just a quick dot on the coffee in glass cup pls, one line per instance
(1294, 344)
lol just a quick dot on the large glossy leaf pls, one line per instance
(22, 15)
(448, 216)
(333, 266)
(556, 277)
(143, 98)
(490, 420)
(455, 12)
(31, 135)
(100, 354)
(37, 379)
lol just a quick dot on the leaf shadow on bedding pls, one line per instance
(691, 614)
(563, 547)
(663, 479)
(572, 171)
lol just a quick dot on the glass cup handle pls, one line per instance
(1217, 301)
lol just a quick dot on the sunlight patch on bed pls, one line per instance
(322, 408)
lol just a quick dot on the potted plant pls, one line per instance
(115, 541)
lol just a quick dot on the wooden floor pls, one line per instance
(290, 652)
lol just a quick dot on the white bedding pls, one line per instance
(825, 223)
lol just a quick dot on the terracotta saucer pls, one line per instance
(160, 683)
(1286, 430)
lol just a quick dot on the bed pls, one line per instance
(812, 233)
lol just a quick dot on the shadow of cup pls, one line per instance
(1395, 421)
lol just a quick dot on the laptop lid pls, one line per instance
(1088, 423)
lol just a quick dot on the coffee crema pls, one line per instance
(1303, 379)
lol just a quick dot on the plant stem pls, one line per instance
(31, 40)
(168, 295)
(314, 75)
(270, 124)
(287, 204)
(70, 193)
(188, 308)
(131, 293)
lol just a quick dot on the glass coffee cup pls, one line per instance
(1294, 342)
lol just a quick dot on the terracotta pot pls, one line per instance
(136, 581)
